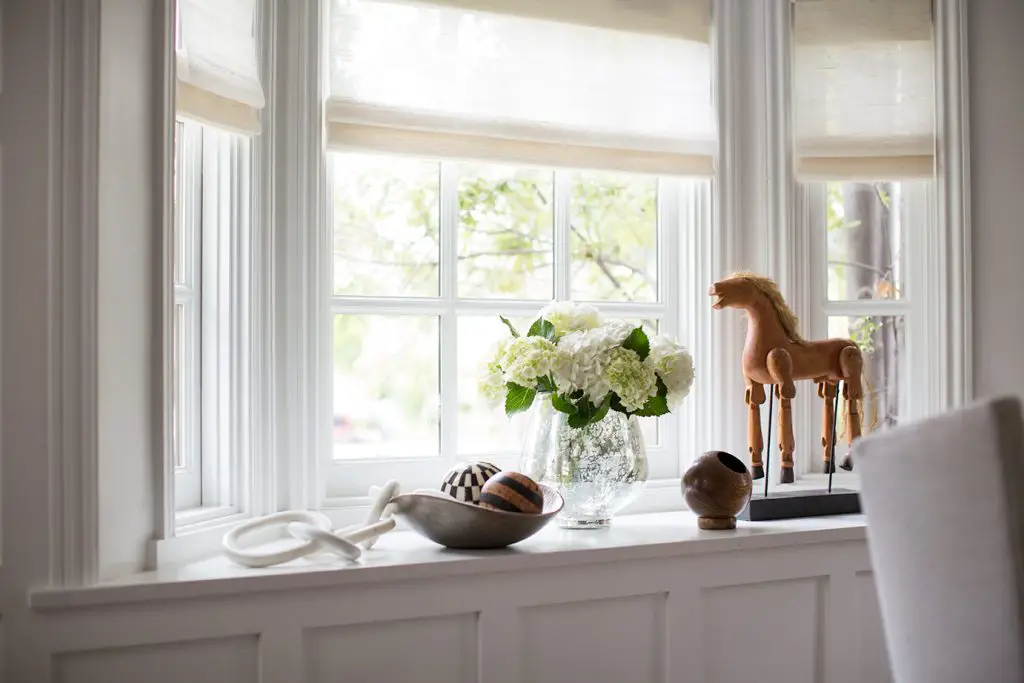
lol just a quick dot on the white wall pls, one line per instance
(996, 59)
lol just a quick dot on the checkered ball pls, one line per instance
(463, 482)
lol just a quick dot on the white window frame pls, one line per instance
(347, 479)
(188, 328)
(214, 220)
(754, 180)
(755, 206)
(917, 221)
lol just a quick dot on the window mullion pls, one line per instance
(669, 279)
(562, 259)
(448, 353)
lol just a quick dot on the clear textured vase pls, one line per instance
(598, 469)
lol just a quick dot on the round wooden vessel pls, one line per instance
(716, 487)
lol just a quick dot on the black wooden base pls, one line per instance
(792, 504)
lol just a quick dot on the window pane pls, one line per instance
(506, 239)
(484, 428)
(176, 187)
(881, 338)
(864, 228)
(178, 409)
(386, 390)
(614, 237)
(386, 218)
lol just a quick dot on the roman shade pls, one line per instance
(218, 80)
(863, 87)
(605, 84)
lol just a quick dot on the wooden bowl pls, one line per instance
(456, 524)
(716, 487)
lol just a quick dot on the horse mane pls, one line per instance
(771, 291)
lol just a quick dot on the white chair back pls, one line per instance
(944, 502)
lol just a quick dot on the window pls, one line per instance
(483, 164)
(187, 319)
(211, 215)
(217, 107)
(428, 166)
(864, 118)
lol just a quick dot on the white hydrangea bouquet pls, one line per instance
(588, 366)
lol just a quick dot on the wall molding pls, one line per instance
(163, 485)
(303, 399)
(73, 273)
(728, 415)
(671, 616)
(954, 203)
(260, 496)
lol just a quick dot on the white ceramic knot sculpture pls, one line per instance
(314, 528)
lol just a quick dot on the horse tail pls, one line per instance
(870, 421)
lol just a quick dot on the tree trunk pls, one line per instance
(870, 257)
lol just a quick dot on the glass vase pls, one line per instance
(598, 469)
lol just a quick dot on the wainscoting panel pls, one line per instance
(873, 657)
(767, 632)
(429, 649)
(803, 613)
(220, 660)
(620, 639)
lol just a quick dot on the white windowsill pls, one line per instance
(202, 541)
(405, 555)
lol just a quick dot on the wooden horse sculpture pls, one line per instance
(776, 354)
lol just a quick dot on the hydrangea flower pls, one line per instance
(527, 359)
(628, 376)
(492, 383)
(589, 363)
(674, 366)
(567, 317)
(583, 356)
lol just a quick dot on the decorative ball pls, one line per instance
(512, 492)
(465, 481)
(716, 487)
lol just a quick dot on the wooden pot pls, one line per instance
(716, 487)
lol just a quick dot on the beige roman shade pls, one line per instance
(605, 84)
(863, 89)
(218, 80)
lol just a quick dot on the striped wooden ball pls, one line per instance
(512, 492)
(465, 481)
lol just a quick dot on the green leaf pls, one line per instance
(562, 405)
(602, 409)
(545, 383)
(578, 421)
(518, 399)
(637, 341)
(542, 328)
(584, 413)
(662, 389)
(655, 406)
(511, 327)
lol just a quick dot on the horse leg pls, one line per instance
(851, 363)
(827, 391)
(780, 367)
(755, 440)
